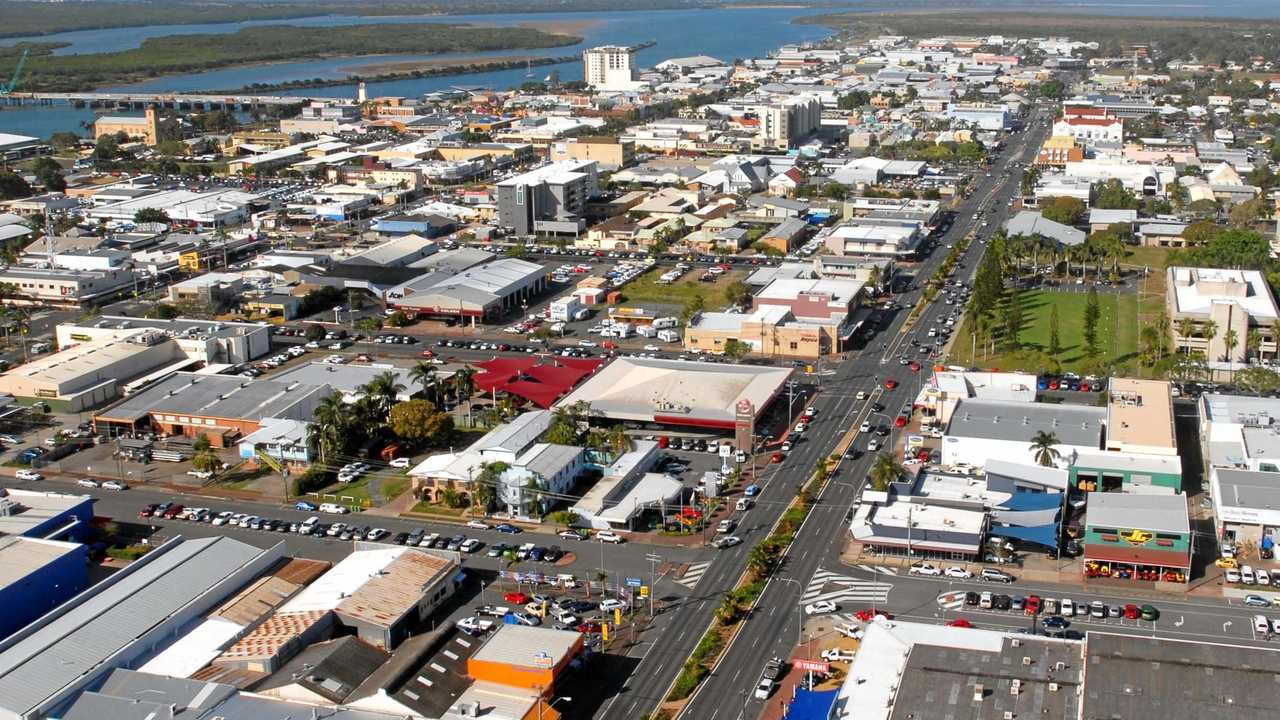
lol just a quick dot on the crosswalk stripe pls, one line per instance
(878, 570)
(826, 585)
(693, 574)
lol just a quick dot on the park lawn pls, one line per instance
(390, 487)
(647, 289)
(1117, 332)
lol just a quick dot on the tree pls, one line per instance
(1043, 450)
(464, 385)
(1091, 315)
(1249, 213)
(1065, 210)
(1200, 233)
(761, 560)
(1253, 343)
(64, 141)
(12, 186)
(420, 422)
(1013, 319)
(315, 333)
(885, 470)
(692, 307)
(151, 215)
(566, 518)
(49, 173)
(206, 460)
(382, 392)
(424, 374)
(1055, 346)
(735, 349)
(1186, 328)
(1258, 380)
(1113, 195)
(618, 440)
(738, 293)
(1229, 341)
(1209, 331)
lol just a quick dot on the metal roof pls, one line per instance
(1145, 512)
(38, 664)
(530, 647)
(1076, 425)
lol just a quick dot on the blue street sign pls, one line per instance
(634, 582)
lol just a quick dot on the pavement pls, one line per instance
(819, 541)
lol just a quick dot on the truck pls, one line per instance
(564, 309)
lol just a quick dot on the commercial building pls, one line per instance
(1137, 537)
(628, 489)
(521, 666)
(980, 116)
(886, 524)
(214, 208)
(1090, 128)
(783, 124)
(67, 288)
(865, 238)
(980, 429)
(1032, 224)
(47, 515)
(481, 293)
(1233, 302)
(222, 408)
(120, 620)
(922, 671)
(610, 67)
(791, 317)
(36, 576)
(206, 341)
(1240, 442)
(1140, 417)
(148, 128)
(610, 153)
(87, 375)
(679, 392)
(550, 200)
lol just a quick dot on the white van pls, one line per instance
(744, 503)
(333, 508)
(1260, 625)
(1246, 575)
(308, 525)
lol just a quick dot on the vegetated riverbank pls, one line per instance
(1209, 40)
(417, 69)
(19, 18)
(270, 43)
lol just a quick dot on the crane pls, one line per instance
(9, 87)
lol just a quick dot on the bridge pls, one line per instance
(139, 100)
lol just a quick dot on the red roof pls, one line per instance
(539, 380)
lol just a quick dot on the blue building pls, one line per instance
(37, 576)
(47, 515)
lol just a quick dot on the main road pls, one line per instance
(772, 629)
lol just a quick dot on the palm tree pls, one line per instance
(382, 391)
(760, 560)
(464, 386)
(424, 373)
(1229, 341)
(327, 431)
(1043, 450)
(617, 440)
(885, 470)
(1186, 326)
(1253, 341)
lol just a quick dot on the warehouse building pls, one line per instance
(482, 294)
(48, 515)
(65, 288)
(121, 620)
(36, 576)
(87, 375)
(679, 392)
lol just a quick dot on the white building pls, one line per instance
(610, 67)
(982, 429)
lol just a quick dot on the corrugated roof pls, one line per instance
(390, 594)
(529, 647)
(39, 664)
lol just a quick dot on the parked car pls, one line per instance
(821, 607)
(925, 569)
(609, 537)
(30, 475)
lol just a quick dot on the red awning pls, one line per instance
(542, 381)
(1135, 556)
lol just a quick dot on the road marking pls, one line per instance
(844, 588)
(693, 573)
(877, 570)
(951, 600)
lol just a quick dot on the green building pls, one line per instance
(1137, 537)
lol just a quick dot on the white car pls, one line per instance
(726, 541)
(862, 395)
(609, 537)
(652, 348)
(873, 446)
(586, 343)
(925, 569)
(821, 607)
(866, 427)
(29, 475)
(114, 485)
(86, 482)
(612, 604)
(9, 439)
(400, 463)
(478, 525)
(801, 427)
(957, 572)
(838, 655)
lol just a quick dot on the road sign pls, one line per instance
(644, 591)
(634, 582)
(811, 665)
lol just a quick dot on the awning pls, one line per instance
(1046, 535)
(1027, 518)
(1032, 501)
(811, 705)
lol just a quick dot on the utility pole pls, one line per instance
(653, 580)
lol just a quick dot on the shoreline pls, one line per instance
(441, 71)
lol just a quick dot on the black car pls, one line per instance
(400, 538)
(877, 407)
(1002, 602)
(583, 606)
(971, 598)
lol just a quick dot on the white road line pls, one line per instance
(693, 574)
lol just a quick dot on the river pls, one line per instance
(722, 33)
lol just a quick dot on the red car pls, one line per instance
(960, 623)
(915, 366)
(923, 455)
(777, 457)
(1132, 612)
(866, 614)
(146, 511)
(890, 384)
(517, 598)
(900, 422)
(1033, 605)
(428, 353)
(173, 512)
(589, 628)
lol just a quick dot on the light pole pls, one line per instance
(653, 579)
(799, 608)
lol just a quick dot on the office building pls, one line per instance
(550, 200)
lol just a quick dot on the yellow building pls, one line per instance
(149, 128)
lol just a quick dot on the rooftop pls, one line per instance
(219, 396)
(1077, 425)
(21, 556)
(528, 647)
(677, 390)
(1196, 289)
(390, 593)
(33, 509)
(1159, 513)
(1140, 416)
(1131, 677)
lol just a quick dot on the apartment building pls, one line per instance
(1214, 306)
(551, 199)
(609, 67)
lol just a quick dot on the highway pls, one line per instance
(772, 629)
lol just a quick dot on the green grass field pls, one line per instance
(1117, 332)
(647, 289)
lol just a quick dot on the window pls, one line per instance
(1105, 531)
(795, 345)
(1168, 536)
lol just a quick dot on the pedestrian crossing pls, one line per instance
(693, 573)
(825, 585)
(876, 569)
